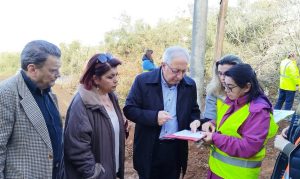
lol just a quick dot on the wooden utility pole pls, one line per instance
(220, 29)
(198, 46)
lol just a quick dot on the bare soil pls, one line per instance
(198, 159)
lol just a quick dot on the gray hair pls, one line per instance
(37, 52)
(175, 52)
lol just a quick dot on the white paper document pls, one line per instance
(282, 114)
(186, 135)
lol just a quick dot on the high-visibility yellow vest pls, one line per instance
(230, 167)
(289, 75)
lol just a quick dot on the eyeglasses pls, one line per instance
(103, 58)
(230, 88)
(176, 71)
(221, 74)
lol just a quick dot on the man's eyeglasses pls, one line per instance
(230, 88)
(176, 71)
(103, 58)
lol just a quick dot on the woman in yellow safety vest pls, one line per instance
(244, 123)
(215, 91)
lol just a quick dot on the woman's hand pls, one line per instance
(127, 126)
(208, 127)
(194, 125)
(207, 137)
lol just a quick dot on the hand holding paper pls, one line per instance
(207, 137)
(208, 127)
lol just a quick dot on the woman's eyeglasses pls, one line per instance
(103, 58)
(221, 73)
(230, 88)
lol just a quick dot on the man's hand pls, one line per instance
(194, 125)
(208, 127)
(163, 117)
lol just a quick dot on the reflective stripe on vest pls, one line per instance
(282, 73)
(235, 161)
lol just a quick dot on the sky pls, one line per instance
(87, 21)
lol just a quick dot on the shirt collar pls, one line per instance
(163, 81)
(31, 85)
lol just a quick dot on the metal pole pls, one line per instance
(198, 46)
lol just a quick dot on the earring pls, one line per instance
(97, 87)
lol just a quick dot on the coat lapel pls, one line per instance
(180, 102)
(160, 96)
(154, 82)
(32, 111)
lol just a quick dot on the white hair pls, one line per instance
(175, 52)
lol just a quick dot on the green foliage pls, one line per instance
(248, 25)
(131, 39)
(261, 32)
(9, 63)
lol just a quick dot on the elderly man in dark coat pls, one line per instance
(162, 102)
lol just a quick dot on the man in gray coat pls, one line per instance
(30, 125)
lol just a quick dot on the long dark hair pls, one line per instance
(242, 74)
(95, 67)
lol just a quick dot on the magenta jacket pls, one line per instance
(254, 130)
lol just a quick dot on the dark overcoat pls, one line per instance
(143, 103)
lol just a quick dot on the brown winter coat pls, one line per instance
(89, 137)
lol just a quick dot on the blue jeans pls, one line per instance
(287, 97)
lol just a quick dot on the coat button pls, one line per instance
(50, 156)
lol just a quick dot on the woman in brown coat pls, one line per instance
(94, 129)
